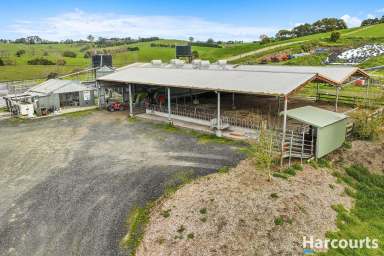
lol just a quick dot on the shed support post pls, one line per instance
(337, 97)
(169, 105)
(233, 101)
(367, 92)
(317, 91)
(218, 131)
(101, 95)
(284, 128)
(130, 100)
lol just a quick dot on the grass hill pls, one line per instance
(17, 68)
(350, 38)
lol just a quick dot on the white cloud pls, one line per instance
(351, 21)
(380, 10)
(78, 24)
(371, 16)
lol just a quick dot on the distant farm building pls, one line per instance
(52, 95)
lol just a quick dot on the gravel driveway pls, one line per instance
(68, 183)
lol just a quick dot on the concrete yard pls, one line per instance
(67, 183)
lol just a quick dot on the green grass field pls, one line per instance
(16, 68)
(347, 90)
(350, 38)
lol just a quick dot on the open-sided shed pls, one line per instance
(219, 79)
(329, 128)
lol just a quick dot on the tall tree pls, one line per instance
(90, 38)
(303, 30)
(284, 34)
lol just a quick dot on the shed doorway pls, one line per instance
(71, 99)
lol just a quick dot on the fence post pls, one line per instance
(317, 91)
(218, 132)
(169, 105)
(302, 147)
(284, 128)
(337, 97)
(312, 131)
(130, 100)
(290, 149)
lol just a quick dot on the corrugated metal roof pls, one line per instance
(335, 74)
(338, 74)
(58, 86)
(229, 80)
(316, 117)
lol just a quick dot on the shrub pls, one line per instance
(195, 54)
(283, 219)
(262, 152)
(1, 62)
(290, 171)
(280, 175)
(52, 75)
(366, 127)
(87, 55)
(60, 62)
(132, 49)
(166, 213)
(323, 163)
(181, 229)
(69, 54)
(279, 221)
(347, 144)
(40, 61)
(20, 52)
(335, 36)
(85, 48)
(297, 167)
(274, 195)
(313, 163)
(224, 169)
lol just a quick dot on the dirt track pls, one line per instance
(67, 183)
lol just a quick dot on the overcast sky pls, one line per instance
(220, 20)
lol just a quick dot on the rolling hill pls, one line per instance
(17, 68)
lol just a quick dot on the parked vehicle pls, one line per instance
(117, 106)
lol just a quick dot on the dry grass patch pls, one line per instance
(241, 213)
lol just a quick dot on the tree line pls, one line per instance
(372, 21)
(320, 26)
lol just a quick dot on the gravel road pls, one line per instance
(68, 183)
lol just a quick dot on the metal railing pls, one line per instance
(210, 114)
(186, 111)
(295, 145)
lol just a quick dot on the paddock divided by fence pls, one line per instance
(350, 100)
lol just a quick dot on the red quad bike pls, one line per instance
(117, 106)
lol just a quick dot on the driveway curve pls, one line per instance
(68, 183)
